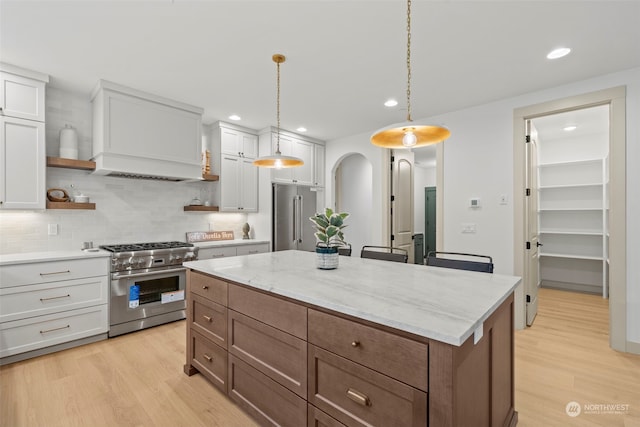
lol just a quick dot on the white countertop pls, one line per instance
(28, 257)
(223, 243)
(437, 303)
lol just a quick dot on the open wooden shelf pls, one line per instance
(199, 208)
(209, 177)
(70, 205)
(59, 162)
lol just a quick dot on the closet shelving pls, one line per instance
(573, 215)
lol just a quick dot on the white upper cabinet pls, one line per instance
(22, 93)
(301, 147)
(233, 150)
(238, 143)
(22, 139)
(319, 165)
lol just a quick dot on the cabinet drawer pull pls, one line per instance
(207, 318)
(50, 298)
(205, 287)
(55, 329)
(359, 398)
(355, 343)
(55, 272)
(209, 358)
(253, 252)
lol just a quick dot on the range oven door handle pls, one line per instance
(147, 274)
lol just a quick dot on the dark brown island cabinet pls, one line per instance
(291, 363)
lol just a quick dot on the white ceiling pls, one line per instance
(344, 58)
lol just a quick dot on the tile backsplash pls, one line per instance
(127, 210)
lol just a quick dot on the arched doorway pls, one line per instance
(353, 180)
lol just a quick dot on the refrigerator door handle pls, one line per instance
(300, 210)
(295, 218)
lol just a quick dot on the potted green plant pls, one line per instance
(329, 234)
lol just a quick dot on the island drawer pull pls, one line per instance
(207, 318)
(55, 272)
(209, 358)
(359, 398)
(355, 343)
(50, 298)
(55, 329)
(205, 287)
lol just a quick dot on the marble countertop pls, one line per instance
(223, 243)
(437, 303)
(28, 257)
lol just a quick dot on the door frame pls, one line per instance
(616, 99)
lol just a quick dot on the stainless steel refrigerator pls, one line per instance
(292, 206)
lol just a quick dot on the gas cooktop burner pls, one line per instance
(132, 247)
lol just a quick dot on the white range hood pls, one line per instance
(139, 135)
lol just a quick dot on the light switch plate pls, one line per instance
(53, 229)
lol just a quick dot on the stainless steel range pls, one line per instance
(147, 284)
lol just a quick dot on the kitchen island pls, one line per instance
(370, 343)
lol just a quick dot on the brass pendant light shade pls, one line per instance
(277, 160)
(409, 134)
(399, 135)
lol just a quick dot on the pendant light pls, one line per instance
(409, 134)
(278, 161)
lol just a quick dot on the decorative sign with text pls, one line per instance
(208, 236)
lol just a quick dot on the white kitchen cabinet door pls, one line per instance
(22, 158)
(238, 185)
(22, 97)
(318, 165)
(249, 186)
(304, 174)
(238, 143)
(296, 148)
(284, 175)
(229, 183)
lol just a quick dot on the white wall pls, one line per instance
(376, 156)
(356, 197)
(478, 162)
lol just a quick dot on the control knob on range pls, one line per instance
(175, 260)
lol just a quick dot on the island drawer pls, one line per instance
(398, 357)
(317, 418)
(279, 355)
(264, 399)
(21, 302)
(281, 314)
(52, 271)
(210, 360)
(209, 319)
(208, 287)
(359, 396)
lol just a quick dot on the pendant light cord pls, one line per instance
(408, 60)
(278, 112)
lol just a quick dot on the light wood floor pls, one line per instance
(137, 379)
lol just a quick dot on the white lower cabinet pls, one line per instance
(236, 250)
(49, 306)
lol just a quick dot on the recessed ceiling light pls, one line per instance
(569, 128)
(558, 53)
(234, 117)
(302, 129)
(390, 103)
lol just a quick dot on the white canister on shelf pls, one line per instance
(68, 143)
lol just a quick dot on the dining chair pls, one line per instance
(474, 264)
(345, 250)
(385, 253)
